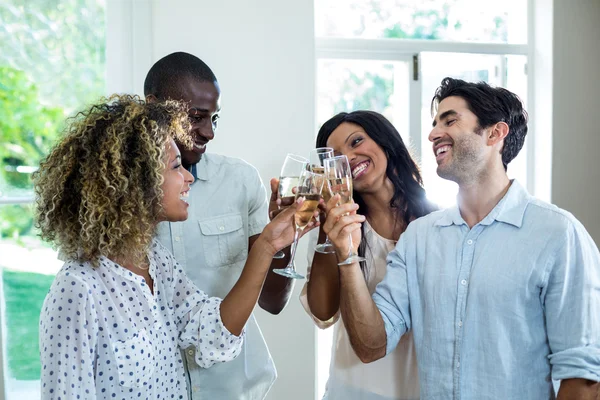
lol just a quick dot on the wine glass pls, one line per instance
(288, 179)
(309, 192)
(339, 179)
(316, 165)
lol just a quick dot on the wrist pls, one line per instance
(264, 246)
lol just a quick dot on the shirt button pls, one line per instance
(459, 323)
(469, 241)
(191, 352)
(221, 228)
(177, 239)
(458, 364)
(463, 282)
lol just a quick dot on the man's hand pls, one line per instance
(276, 203)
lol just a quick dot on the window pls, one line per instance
(52, 63)
(390, 56)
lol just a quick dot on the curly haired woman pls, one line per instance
(121, 307)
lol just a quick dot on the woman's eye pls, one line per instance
(356, 141)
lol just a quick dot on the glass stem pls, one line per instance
(350, 247)
(294, 245)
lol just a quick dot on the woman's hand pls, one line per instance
(343, 221)
(279, 233)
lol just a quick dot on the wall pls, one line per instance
(263, 55)
(576, 101)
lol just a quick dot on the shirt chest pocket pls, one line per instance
(224, 240)
(135, 360)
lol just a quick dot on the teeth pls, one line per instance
(441, 150)
(199, 147)
(359, 168)
(184, 196)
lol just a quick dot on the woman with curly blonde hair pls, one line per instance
(121, 307)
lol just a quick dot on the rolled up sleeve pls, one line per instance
(391, 297)
(572, 307)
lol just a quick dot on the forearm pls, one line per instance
(323, 291)
(277, 289)
(239, 303)
(578, 389)
(362, 319)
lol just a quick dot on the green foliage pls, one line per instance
(28, 127)
(24, 295)
(52, 63)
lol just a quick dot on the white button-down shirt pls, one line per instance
(104, 335)
(228, 204)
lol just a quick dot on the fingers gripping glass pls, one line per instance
(317, 156)
(309, 193)
(288, 180)
(339, 179)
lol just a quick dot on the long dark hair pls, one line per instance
(409, 196)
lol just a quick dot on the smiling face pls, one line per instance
(175, 186)
(367, 159)
(459, 143)
(203, 98)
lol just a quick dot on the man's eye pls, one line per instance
(450, 122)
(194, 119)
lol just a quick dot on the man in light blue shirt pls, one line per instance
(228, 210)
(502, 291)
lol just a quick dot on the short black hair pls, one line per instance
(490, 105)
(165, 75)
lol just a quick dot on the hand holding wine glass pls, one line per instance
(308, 195)
(339, 179)
(317, 158)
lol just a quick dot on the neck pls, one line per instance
(382, 217)
(477, 197)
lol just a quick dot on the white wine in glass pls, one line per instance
(339, 180)
(308, 193)
(291, 169)
(317, 156)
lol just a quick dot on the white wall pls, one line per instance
(263, 55)
(576, 105)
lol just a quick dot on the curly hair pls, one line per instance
(99, 190)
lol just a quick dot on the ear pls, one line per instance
(151, 99)
(497, 133)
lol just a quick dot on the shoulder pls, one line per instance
(229, 162)
(550, 217)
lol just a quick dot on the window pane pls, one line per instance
(28, 266)
(52, 63)
(349, 85)
(497, 70)
(452, 20)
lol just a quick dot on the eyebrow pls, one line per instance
(203, 110)
(444, 115)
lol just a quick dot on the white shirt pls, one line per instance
(104, 335)
(228, 204)
(394, 377)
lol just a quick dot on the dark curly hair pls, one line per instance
(99, 190)
(491, 105)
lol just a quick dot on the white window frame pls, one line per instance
(538, 51)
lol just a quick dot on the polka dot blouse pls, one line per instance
(103, 335)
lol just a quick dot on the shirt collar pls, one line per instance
(201, 169)
(510, 209)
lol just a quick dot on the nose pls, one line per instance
(207, 130)
(188, 177)
(435, 134)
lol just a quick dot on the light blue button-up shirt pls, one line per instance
(228, 204)
(498, 310)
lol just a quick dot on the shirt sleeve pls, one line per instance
(391, 296)
(68, 327)
(199, 323)
(313, 238)
(572, 307)
(258, 203)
